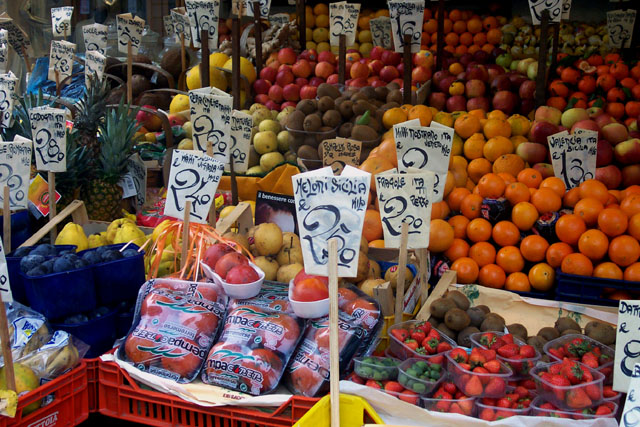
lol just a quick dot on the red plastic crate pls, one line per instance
(70, 405)
(120, 397)
(92, 383)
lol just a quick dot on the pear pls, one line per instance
(129, 232)
(268, 265)
(287, 272)
(73, 234)
(112, 229)
(268, 239)
(97, 239)
(290, 255)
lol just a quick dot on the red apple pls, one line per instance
(541, 130)
(291, 92)
(262, 98)
(176, 120)
(269, 74)
(456, 103)
(332, 79)
(324, 69)
(527, 106)
(445, 83)
(389, 73)
(527, 89)
(261, 86)
(437, 100)
(420, 74)
(587, 124)
(628, 152)
(308, 92)
(288, 104)
(532, 152)
(275, 93)
(284, 77)
(477, 71)
(604, 119)
(301, 81)
(285, 67)
(505, 101)
(500, 82)
(316, 81)
(494, 71)
(391, 58)
(309, 54)
(378, 83)
(215, 252)
(272, 105)
(375, 67)
(327, 56)
(609, 176)
(478, 103)
(615, 133)
(548, 114)
(286, 56)
(438, 76)
(631, 175)
(301, 68)
(545, 169)
(376, 52)
(604, 154)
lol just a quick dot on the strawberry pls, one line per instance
(591, 360)
(466, 405)
(430, 344)
(495, 387)
(529, 384)
(423, 326)
(442, 406)
(476, 359)
(488, 401)
(488, 339)
(527, 351)
(480, 370)
(411, 344)
(507, 338)
(460, 395)
(547, 405)
(488, 354)
(400, 334)
(417, 335)
(578, 347)
(393, 386)
(433, 333)
(437, 359)
(449, 387)
(473, 387)
(593, 391)
(573, 371)
(502, 414)
(374, 384)
(441, 394)
(459, 355)
(521, 391)
(578, 399)
(558, 382)
(508, 351)
(487, 414)
(557, 353)
(456, 409)
(603, 410)
(555, 368)
(409, 396)
(604, 358)
(356, 379)
(504, 403)
(493, 366)
(443, 347)
(608, 392)
(465, 366)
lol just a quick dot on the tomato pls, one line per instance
(305, 380)
(182, 362)
(345, 296)
(310, 289)
(269, 365)
(132, 349)
(285, 342)
(365, 312)
(302, 276)
(207, 291)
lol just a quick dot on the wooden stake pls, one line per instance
(334, 344)
(129, 73)
(204, 64)
(440, 33)
(183, 54)
(52, 204)
(57, 82)
(26, 59)
(302, 27)
(6, 347)
(257, 30)
(235, 62)
(6, 219)
(185, 233)
(407, 59)
(342, 58)
(212, 209)
(541, 79)
(423, 267)
(554, 50)
(402, 272)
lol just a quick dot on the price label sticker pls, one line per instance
(60, 60)
(95, 38)
(7, 98)
(406, 19)
(211, 119)
(406, 198)
(555, 8)
(331, 207)
(343, 19)
(181, 24)
(193, 177)
(61, 21)
(204, 15)
(94, 66)
(241, 125)
(340, 152)
(128, 186)
(620, 27)
(18, 39)
(566, 9)
(15, 169)
(49, 130)
(130, 29)
(5, 286)
(573, 157)
(381, 32)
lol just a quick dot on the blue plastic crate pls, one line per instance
(590, 290)
(20, 228)
(99, 333)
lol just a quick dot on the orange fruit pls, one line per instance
(474, 144)
(630, 205)
(569, 228)
(387, 150)
(496, 127)
(496, 147)
(421, 112)
(505, 233)
(455, 198)
(534, 248)
(459, 224)
(624, 250)
(577, 263)
(594, 244)
(482, 253)
(376, 243)
(594, 189)
(571, 198)
(613, 222)
(478, 168)
(608, 270)
(524, 215)
(510, 163)
(554, 183)
(517, 192)
(517, 281)
(634, 226)
(541, 277)
(492, 276)
(491, 185)
(467, 270)
(440, 210)
(479, 230)
(490, 23)
(375, 165)
(510, 259)
(470, 206)
(530, 177)
(556, 253)
(393, 116)
(588, 209)
(494, 36)
(474, 25)
(632, 272)
(546, 200)
(507, 177)
(440, 235)
(458, 249)
(372, 229)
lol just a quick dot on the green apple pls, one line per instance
(265, 142)
(187, 127)
(283, 141)
(271, 160)
(271, 125)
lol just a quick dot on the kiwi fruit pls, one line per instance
(443, 328)
(331, 118)
(548, 333)
(346, 109)
(484, 308)
(295, 120)
(440, 307)
(375, 124)
(462, 302)
(602, 333)
(388, 106)
(381, 93)
(345, 130)
(518, 330)
(537, 342)
(393, 86)
(395, 96)
(492, 322)
(570, 332)
(590, 326)
(433, 322)
(308, 152)
(312, 123)
(564, 323)
(464, 336)
(326, 89)
(325, 104)
(349, 92)
(361, 106)
(307, 106)
(456, 319)
(358, 96)
(139, 84)
(476, 315)
(339, 100)
(363, 133)
(327, 133)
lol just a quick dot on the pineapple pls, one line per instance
(91, 110)
(103, 195)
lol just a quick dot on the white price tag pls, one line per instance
(204, 15)
(241, 124)
(15, 169)
(60, 60)
(61, 21)
(279, 19)
(49, 130)
(211, 119)
(94, 66)
(128, 186)
(129, 30)
(18, 39)
(7, 98)
(555, 8)
(343, 19)
(566, 9)
(627, 346)
(168, 25)
(95, 38)
(406, 19)
(137, 170)
(265, 7)
(5, 286)
(4, 51)
(381, 31)
(620, 27)
(181, 24)
(573, 157)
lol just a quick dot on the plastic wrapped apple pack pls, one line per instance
(308, 372)
(207, 290)
(171, 334)
(253, 350)
(272, 296)
(365, 312)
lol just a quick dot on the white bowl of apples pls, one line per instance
(240, 278)
(309, 295)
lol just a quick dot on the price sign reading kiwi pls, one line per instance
(211, 119)
(94, 65)
(49, 130)
(340, 152)
(203, 15)
(406, 19)
(18, 39)
(60, 60)
(241, 124)
(194, 176)
(129, 30)
(405, 198)
(95, 38)
(381, 31)
(181, 24)
(61, 21)
(5, 286)
(425, 148)
(7, 98)
(331, 207)
(4, 51)
(15, 168)
(573, 156)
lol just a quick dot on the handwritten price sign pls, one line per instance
(265, 7)
(95, 38)
(15, 168)
(4, 51)
(405, 198)
(49, 130)
(627, 345)
(18, 39)
(555, 8)
(94, 65)
(203, 15)
(195, 177)
(60, 59)
(61, 21)
(7, 98)
(329, 207)
(241, 124)
(168, 25)
(343, 19)
(381, 32)
(340, 152)
(211, 118)
(129, 30)
(406, 19)
(620, 27)
(279, 19)
(5, 286)
(573, 156)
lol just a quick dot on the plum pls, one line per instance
(36, 271)
(129, 253)
(76, 319)
(67, 252)
(101, 249)
(110, 255)
(92, 257)
(21, 252)
(44, 249)
(48, 265)
(30, 261)
(63, 264)
(80, 263)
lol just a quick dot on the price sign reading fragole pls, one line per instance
(406, 19)
(193, 177)
(61, 21)
(241, 124)
(7, 98)
(5, 286)
(203, 15)
(129, 30)
(425, 148)
(211, 120)
(627, 345)
(573, 156)
(340, 152)
(406, 198)
(620, 27)
(181, 24)
(381, 31)
(555, 8)
(331, 207)
(49, 130)
(15, 169)
(18, 39)
(95, 38)
(94, 65)
(60, 60)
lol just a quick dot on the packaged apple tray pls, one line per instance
(87, 294)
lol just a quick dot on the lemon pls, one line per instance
(217, 78)
(226, 211)
(364, 36)
(246, 69)
(179, 103)
(193, 78)
(320, 35)
(322, 21)
(311, 45)
(217, 59)
(323, 47)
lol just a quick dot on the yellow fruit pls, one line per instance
(217, 59)
(130, 232)
(26, 381)
(179, 103)
(112, 229)
(193, 78)
(73, 234)
(320, 35)
(217, 78)
(322, 21)
(312, 45)
(308, 33)
(160, 228)
(320, 9)
(323, 47)
(364, 36)
(246, 68)
(226, 211)
(96, 240)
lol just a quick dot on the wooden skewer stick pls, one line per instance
(57, 73)
(52, 204)
(204, 64)
(6, 347)
(423, 259)
(6, 219)
(257, 30)
(183, 54)
(402, 272)
(185, 233)
(26, 59)
(129, 73)
(406, 83)
(342, 58)
(334, 350)
(212, 209)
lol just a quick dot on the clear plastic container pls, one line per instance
(410, 379)
(558, 395)
(606, 368)
(410, 398)
(520, 367)
(537, 411)
(464, 406)
(403, 352)
(501, 412)
(303, 137)
(461, 377)
(376, 368)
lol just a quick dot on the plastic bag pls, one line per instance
(272, 296)
(59, 355)
(254, 348)
(28, 330)
(365, 312)
(204, 290)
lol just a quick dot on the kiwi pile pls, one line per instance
(453, 315)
